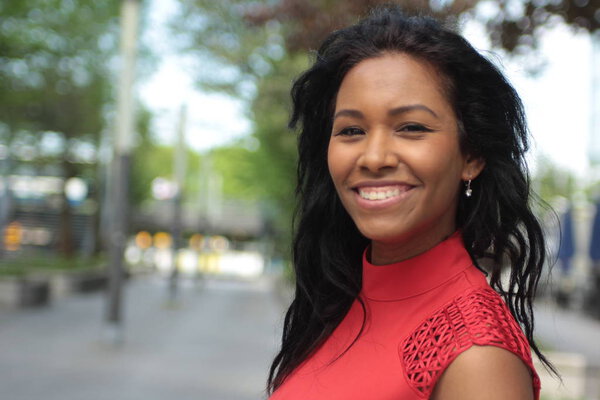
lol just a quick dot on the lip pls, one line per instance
(384, 203)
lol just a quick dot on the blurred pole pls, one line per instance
(204, 192)
(179, 166)
(213, 193)
(5, 196)
(120, 167)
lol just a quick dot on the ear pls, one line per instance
(472, 167)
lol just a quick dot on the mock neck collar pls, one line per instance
(415, 275)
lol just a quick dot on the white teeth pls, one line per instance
(375, 195)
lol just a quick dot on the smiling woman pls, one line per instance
(394, 156)
(411, 171)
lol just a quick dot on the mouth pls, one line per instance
(382, 193)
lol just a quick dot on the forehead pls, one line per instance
(395, 77)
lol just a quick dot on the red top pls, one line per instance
(421, 314)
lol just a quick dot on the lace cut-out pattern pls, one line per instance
(478, 318)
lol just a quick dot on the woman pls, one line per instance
(412, 147)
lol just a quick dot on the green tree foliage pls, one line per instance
(53, 70)
(276, 156)
(244, 35)
(151, 161)
(54, 76)
(262, 168)
(148, 160)
(554, 184)
(238, 167)
(552, 181)
(510, 24)
(231, 54)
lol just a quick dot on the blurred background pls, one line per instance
(147, 186)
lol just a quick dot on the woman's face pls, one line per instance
(394, 156)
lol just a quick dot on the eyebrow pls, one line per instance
(393, 112)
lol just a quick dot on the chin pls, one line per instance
(395, 233)
(385, 234)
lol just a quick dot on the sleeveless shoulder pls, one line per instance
(479, 317)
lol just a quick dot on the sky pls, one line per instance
(557, 100)
(212, 119)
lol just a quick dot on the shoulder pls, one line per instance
(485, 372)
(466, 326)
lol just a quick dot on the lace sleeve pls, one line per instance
(479, 318)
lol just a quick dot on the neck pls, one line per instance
(384, 253)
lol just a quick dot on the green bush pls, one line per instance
(40, 264)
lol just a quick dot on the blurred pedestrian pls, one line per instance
(566, 251)
(593, 303)
(411, 172)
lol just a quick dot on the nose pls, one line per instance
(378, 153)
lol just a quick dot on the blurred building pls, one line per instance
(36, 204)
(234, 219)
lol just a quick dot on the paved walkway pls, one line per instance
(571, 341)
(216, 345)
(568, 331)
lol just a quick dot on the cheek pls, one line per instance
(441, 178)
(441, 165)
(448, 184)
(336, 163)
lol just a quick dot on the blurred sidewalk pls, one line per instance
(215, 345)
(571, 341)
(568, 331)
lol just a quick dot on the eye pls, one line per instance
(414, 128)
(350, 131)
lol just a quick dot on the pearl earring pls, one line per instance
(468, 191)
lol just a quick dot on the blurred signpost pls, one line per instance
(120, 166)
(179, 166)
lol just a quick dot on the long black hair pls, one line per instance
(497, 223)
